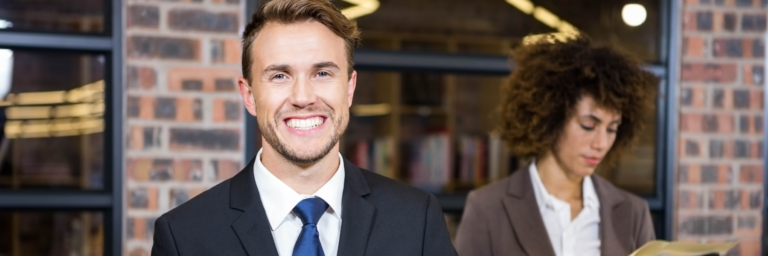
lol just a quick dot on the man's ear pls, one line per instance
(246, 93)
(351, 84)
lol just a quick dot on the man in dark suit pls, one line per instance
(299, 196)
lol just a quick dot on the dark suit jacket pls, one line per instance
(504, 219)
(381, 217)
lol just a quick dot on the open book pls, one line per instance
(664, 248)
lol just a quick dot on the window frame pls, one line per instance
(110, 200)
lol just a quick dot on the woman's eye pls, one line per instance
(612, 130)
(588, 128)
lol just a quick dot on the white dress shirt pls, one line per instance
(279, 200)
(580, 236)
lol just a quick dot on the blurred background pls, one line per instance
(114, 112)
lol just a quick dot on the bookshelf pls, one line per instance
(430, 130)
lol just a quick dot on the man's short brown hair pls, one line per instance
(291, 11)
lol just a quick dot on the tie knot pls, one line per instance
(310, 210)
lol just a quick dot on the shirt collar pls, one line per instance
(279, 199)
(545, 199)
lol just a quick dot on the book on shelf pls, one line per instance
(375, 155)
(428, 161)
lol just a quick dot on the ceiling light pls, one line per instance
(633, 14)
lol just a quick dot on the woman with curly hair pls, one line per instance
(569, 107)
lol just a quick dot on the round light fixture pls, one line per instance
(633, 14)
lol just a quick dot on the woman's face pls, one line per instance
(587, 137)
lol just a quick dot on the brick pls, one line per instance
(694, 46)
(188, 170)
(143, 16)
(144, 137)
(690, 174)
(149, 47)
(758, 124)
(747, 247)
(741, 99)
(225, 85)
(178, 196)
(226, 51)
(718, 98)
(691, 122)
(758, 48)
(756, 149)
(754, 74)
(192, 85)
(748, 225)
(199, 139)
(716, 148)
(226, 110)
(701, 72)
(729, 22)
(227, 1)
(741, 149)
(225, 169)
(141, 78)
(693, 225)
(138, 169)
(753, 22)
(728, 48)
(724, 199)
(207, 76)
(162, 170)
(189, 109)
(132, 107)
(719, 225)
(704, 21)
(710, 123)
(691, 148)
(756, 100)
(690, 199)
(202, 20)
(146, 107)
(756, 200)
(137, 228)
(143, 198)
(165, 108)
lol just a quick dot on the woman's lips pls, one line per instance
(593, 161)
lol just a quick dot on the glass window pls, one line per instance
(67, 16)
(51, 233)
(51, 112)
(435, 131)
(447, 25)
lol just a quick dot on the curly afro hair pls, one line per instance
(552, 74)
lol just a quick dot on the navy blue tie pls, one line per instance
(309, 211)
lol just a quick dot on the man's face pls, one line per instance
(301, 91)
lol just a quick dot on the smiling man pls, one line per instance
(299, 196)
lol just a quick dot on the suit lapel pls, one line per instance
(358, 214)
(523, 212)
(252, 228)
(614, 225)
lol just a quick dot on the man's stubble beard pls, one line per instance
(269, 132)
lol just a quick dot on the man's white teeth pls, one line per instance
(305, 124)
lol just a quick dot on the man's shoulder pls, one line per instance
(202, 206)
(388, 190)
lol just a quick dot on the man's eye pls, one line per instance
(323, 73)
(279, 76)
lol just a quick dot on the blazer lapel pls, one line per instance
(358, 214)
(252, 228)
(523, 212)
(614, 225)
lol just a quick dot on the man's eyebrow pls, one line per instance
(279, 67)
(326, 64)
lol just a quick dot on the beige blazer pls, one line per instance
(503, 219)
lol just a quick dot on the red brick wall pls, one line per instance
(719, 186)
(184, 118)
